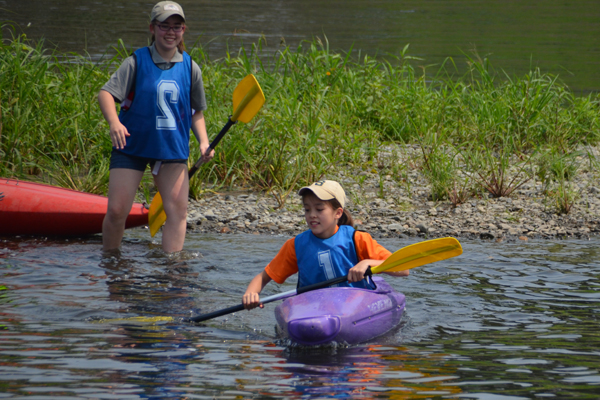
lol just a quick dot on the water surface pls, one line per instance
(502, 321)
(560, 37)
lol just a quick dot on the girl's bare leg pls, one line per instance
(173, 184)
(122, 186)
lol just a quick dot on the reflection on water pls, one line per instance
(557, 36)
(503, 321)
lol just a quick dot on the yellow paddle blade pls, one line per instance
(156, 214)
(418, 254)
(248, 98)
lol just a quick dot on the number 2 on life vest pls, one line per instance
(168, 92)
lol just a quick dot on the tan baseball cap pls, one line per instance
(163, 10)
(327, 190)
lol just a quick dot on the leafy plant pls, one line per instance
(554, 165)
(499, 173)
(460, 192)
(565, 197)
(439, 167)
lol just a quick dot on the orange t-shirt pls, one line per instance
(285, 263)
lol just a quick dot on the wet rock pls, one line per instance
(412, 232)
(422, 228)
(395, 228)
(514, 231)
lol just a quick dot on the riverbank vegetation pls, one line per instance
(480, 133)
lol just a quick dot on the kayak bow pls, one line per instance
(28, 208)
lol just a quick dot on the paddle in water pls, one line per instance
(414, 255)
(248, 98)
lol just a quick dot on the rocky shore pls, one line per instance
(401, 211)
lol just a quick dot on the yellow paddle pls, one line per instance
(248, 98)
(407, 257)
(418, 254)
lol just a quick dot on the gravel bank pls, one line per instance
(405, 210)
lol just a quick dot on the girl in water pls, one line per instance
(330, 248)
(162, 97)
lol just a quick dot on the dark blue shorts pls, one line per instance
(119, 159)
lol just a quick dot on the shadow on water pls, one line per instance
(503, 321)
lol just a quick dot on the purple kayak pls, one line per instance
(340, 314)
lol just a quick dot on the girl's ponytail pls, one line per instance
(346, 218)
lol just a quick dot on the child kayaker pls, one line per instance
(331, 248)
(162, 96)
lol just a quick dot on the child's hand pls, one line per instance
(357, 273)
(206, 157)
(251, 300)
(118, 135)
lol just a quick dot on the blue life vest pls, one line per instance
(323, 259)
(160, 116)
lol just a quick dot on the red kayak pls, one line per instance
(28, 208)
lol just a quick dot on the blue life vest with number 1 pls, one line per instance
(323, 259)
(160, 116)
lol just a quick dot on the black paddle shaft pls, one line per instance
(240, 307)
(321, 285)
(215, 314)
(330, 282)
(303, 289)
(212, 146)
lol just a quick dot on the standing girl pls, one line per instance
(162, 97)
(331, 248)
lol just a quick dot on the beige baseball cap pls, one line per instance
(163, 10)
(327, 190)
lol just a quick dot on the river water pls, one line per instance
(558, 36)
(502, 321)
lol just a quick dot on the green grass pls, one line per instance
(324, 110)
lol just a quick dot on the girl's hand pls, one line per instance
(357, 273)
(118, 135)
(251, 300)
(206, 157)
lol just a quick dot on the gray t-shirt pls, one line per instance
(120, 83)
